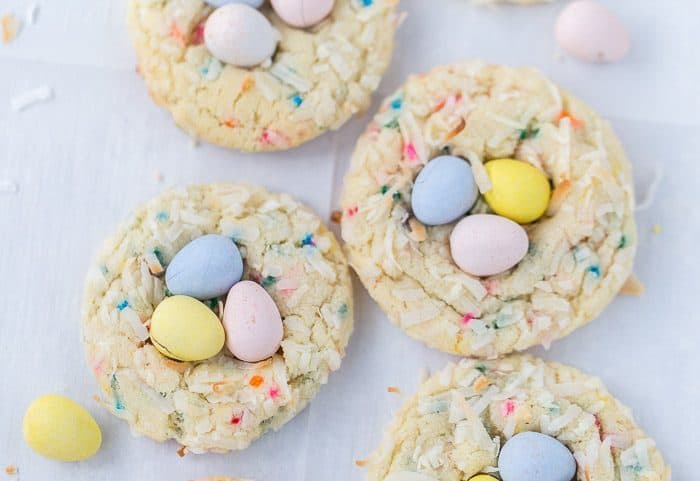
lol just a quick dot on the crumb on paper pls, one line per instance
(96, 398)
(11, 470)
(10, 27)
(182, 452)
(393, 390)
(194, 142)
(31, 97)
(656, 229)
(8, 187)
(336, 216)
(32, 14)
(361, 463)
(632, 287)
(650, 194)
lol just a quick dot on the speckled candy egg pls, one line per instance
(252, 321)
(443, 191)
(205, 268)
(302, 13)
(240, 35)
(59, 428)
(221, 3)
(590, 31)
(532, 456)
(486, 245)
(184, 329)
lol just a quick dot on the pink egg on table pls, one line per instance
(252, 322)
(486, 244)
(302, 13)
(591, 32)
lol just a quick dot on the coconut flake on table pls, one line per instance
(31, 97)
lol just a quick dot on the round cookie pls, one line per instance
(318, 77)
(580, 253)
(222, 403)
(460, 418)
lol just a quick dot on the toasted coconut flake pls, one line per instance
(633, 287)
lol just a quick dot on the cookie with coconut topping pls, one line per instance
(293, 84)
(215, 401)
(549, 272)
(463, 419)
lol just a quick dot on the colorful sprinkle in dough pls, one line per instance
(316, 80)
(407, 266)
(194, 402)
(450, 431)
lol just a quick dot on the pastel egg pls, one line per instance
(520, 191)
(184, 329)
(532, 456)
(486, 244)
(302, 13)
(591, 32)
(443, 191)
(221, 3)
(205, 268)
(240, 35)
(253, 323)
(59, 428)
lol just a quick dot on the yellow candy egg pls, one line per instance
(483, 477)
(184, 329)
(59, 428)
(520, 191)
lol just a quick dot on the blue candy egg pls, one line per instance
(444, 191)
(221, 3)
(205, 268)
(532, 456)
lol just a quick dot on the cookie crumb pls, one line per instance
(360, 463)
(182, 452)
(31, 97)
(10, 27)
(336, 216)
(393, 390)
(633, 287)
(11, 470)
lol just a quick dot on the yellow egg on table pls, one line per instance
(520, 191)
(184, 329)
(483, 477)
(59, 428)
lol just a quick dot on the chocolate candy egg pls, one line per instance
(443, 191)
(520, 191)
(221, 3)
(534, 456)
(591, 32)
(240, 35)
(205, 268)
(184, 329)
(59, 428)
(253, 323)
(486, 245)
(302, 13)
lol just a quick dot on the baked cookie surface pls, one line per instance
(455, 426)
(580, 252)
(317, 80)
(221, 403)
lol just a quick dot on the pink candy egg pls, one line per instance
(591, 32)
(486, 244)
(302, 13)
(252, 322)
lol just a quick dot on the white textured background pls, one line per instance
(82, 161)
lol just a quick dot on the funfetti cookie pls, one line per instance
(516, 419)
(259, 76)
(487, 210)
(215, 314)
